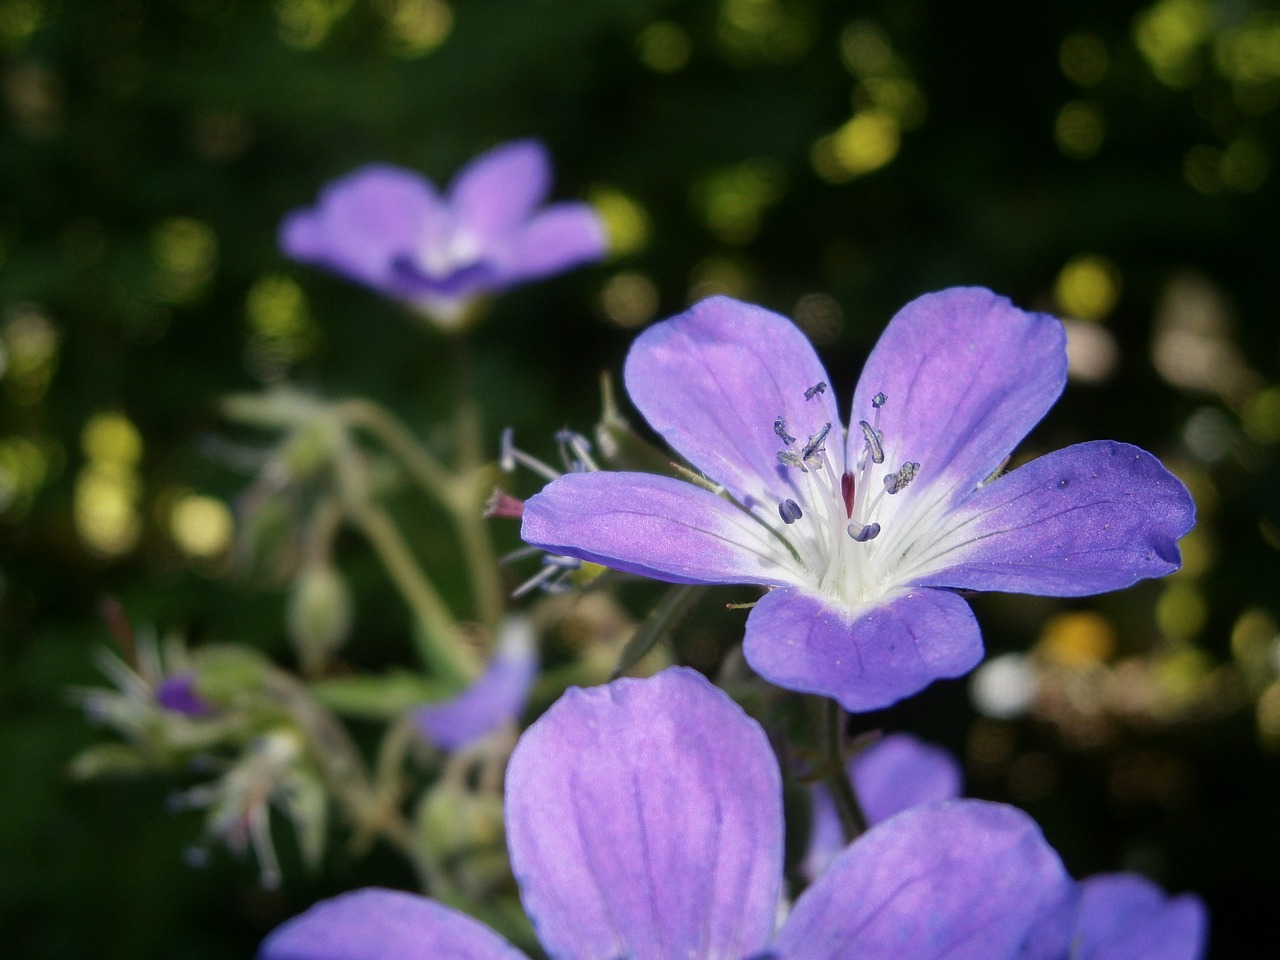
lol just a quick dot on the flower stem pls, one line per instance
(853, 821)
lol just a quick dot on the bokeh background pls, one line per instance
(1113, 163)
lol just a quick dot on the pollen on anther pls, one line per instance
(863, 532)
(894, 482)
(879, 400)
(815, 442)
(817, 388)
(790, 511)
(873, 441)
(780, 428)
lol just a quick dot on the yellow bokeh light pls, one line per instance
(1202, 169)
(201, 526)
(1245, 165)
(105, 510)
(1079, 129)
(1261, 419)
(1250, 53)
(23, 468)
(720, 276)
(897, 96)
(306, 23)
(664, 47)
(29, 342)
(185, 252)
(1087, 287)
(1269, 716)
(867, 142)
(1078, 639)
(1083, 59)
(626, 224)
(111, 438)
(764, 31)
(629, 299)
(18, 21)
(732, 200)
(865, 49)
(1182, 610)
(416, 27)
(1169, 34)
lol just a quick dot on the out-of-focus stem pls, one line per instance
(853, 821)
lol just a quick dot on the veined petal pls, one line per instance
(494, 194)
(644, 820)
(960, 880)
(715, 379)
(561, 236)
(966, 375)
(865, 657)
(1124, 916)
(376, 924)
(654, 526)
(363, 223)
(495, 699)
(1092, 517)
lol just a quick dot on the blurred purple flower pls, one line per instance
(865, 534)
(893, 774)
(390, 229)
(494, 701)
(178, 693)
(644, 820)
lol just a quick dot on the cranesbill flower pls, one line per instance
(390, 229)
(865, 534)
(496, 698)
(644, 821)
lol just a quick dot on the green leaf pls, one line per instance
(379, 697)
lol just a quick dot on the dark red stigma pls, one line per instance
(846, 491)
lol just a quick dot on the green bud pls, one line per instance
(462, 832)
(319, 614)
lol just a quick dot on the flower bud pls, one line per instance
(319, 614)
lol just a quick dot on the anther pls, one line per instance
(862, 532)
(580, 448)
(815, 442)
(780, 428)
(790, 511)
(790, 459)
(873, 441)
(847, 490)
(894, 482)
(817, 388)
(878, 400)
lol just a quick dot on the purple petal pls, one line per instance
(966, 375)
(561, 236)
(961, 880)
(495, 700)
(865, 657)
(375, 924)
(715, 379)
(899, 772)
(178, 693)
(895, 773)
(654, 526)
(496, 192)
(1093, 517)
(1124, 916)
(363, 223)
(644, 819)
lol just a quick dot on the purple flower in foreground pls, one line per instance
(494, 701)
(390, 229)
(865, 534)
(893, 774)
(644, 820)
(1122, 916)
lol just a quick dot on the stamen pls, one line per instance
(580, 448)
(509, 455)
(894, 482)
(847, 491)
(862, 532)
(873, 441)
(790, 511)
(817, 388)
(780, 428)
(879, 400)
(790, 459)
(815, 443)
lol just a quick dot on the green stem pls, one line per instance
(853, 822)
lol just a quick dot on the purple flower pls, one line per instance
(644, 820)
(495, 700)
(895, 773)
(865, 534)
(390, 229)
(178, 693)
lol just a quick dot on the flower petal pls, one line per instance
(865, 657)
(561, 236)
(375, 924)
(966, 375)
(1124, 916)
(960, 880)
(1092, 517)
(644, 820)
(494, 194)
(654, 526)
(713, 381)
(363, 223)
(899, 772)
(494, 700)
